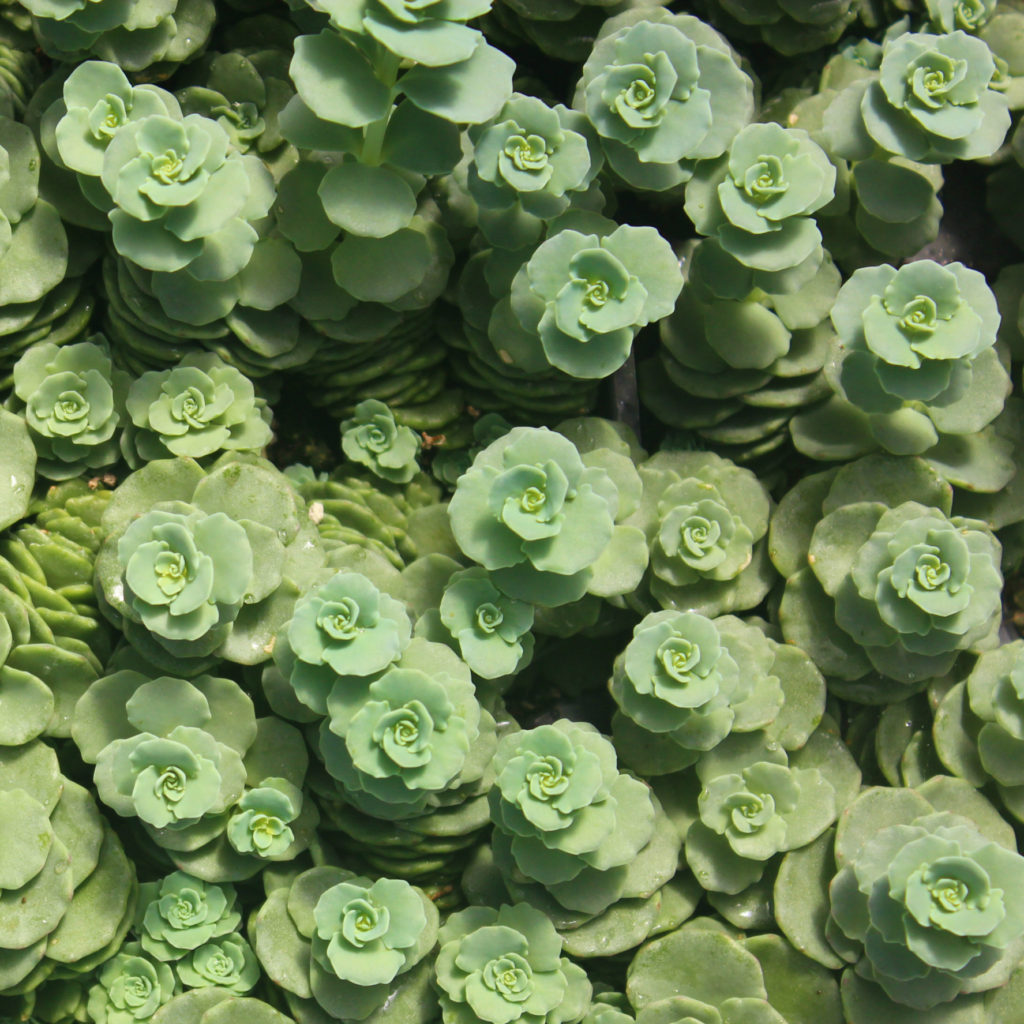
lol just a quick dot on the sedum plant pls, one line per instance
(129, 987)
(410, 739)
(884, 590)
(685, 682)
(932, 100)
(68, 888)
(704, 971)
(705, 521)
(541, 519)
(924, 901)
(503, 966)
(757, 203)
(199, 408)
(134, 35)
(181, 913)
(341, 945)
(372, 438)
(74, 402)
(586, 296)
(916, 371)
(197, 562)
(664, 92)
(530, 164)
(976, 729)
(579, 838)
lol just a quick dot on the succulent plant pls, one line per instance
(197, 562)
(886, 589)
(491, 631)
(68, 887)
(134, 35)
(372, 438)
(685, 682)
(915, 364)
(130, 988)
(541, 520)
(706, 972)
(705, 520)
(180, 913)
(408, 739)
(361, 944)
(74, 402)
(758, 202)
(531, 162)
(924, 900)
(586, 296)
(932, 100)
(664, 92)
(200, 408)
(344, 632)
(227, 962)
(504, 966)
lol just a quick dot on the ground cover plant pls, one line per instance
(511, 512)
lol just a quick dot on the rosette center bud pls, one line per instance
(933, 76)
(488, 617)
(547, 778)
(339, 619)
(527, 152)
(511, 976)
(765, 178)
(363, 921)
(679, 657)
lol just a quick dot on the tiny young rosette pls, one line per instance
(372, 438)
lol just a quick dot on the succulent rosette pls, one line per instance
(410, 739)
(73, 401)
(977, 728)
(926, 901)
(503, 966)
(372, 438)
(538, 517)
(758, 202)
(262, 819)
(163, 760)
(933, 100)
(183, 197)
(345, 631)
(587, 296)
(705, 520)
(97, 100)
(180, 913)
(361, 944)
(530, 163)
(916, 361)
(757, 801)
(199, 408)
(578, 838)
(910, 586)
(201, 561)
(130, 987)
(132, 34)
(227, 963)
(491, 631)
(685, 682)
(664, 91)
